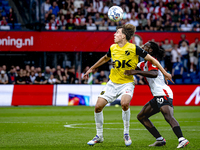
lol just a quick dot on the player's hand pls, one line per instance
(130, 72)
(86, 75)
(113, 64)
(168, 77)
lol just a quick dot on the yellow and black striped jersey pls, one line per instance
(125, 58)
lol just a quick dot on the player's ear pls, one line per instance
(150, 50)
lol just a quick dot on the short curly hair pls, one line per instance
(128, 29)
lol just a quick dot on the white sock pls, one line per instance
(181, 139)
(99, 123)
(126, 119)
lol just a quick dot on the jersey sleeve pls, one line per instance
(139, 51)
(109, 53)
(140, 65)
(151, 66)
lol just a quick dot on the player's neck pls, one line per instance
(122, 43)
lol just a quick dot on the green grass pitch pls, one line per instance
(70, 128)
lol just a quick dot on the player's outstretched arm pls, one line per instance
(150, 74)
(100, 62)
(157, 64)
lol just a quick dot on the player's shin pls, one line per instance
(126, 120)
(99, 123)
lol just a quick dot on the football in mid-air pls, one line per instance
(115, 13)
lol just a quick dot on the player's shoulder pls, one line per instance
(113, 46)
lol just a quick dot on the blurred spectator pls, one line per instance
(51, 25)
(62, 23)
(70, 24)
(186, 26)
(45, 8)
(65, 8)
(64, 80)
(175, 53)
(183, 38)
(168, 48)
(32, 77)
(105, 80)
(4, 68)
(20, 78)
(58, 75)
(12, 17)
(177, 70)
(3, 77)
(184, 55)
(104, 9)
(55, 9)
(53, 80)
(143, 20)
(103, 25)
(133, 21)
(27, 78)
(40, 79)
(194, 52)
(97, 20)
(149, 26)
(47, 72)
(101, 76)
(90, 25)
(12, 75)
(4, 25)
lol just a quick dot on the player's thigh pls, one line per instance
(101, 103)
(146, 111)
(125, 99)
(167, 111)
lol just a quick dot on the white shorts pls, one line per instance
(112, 90)
(194, 60)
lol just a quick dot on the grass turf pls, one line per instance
(43, 128)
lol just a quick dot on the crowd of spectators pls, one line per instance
(148, 15)
(8, 17)
(182, 60)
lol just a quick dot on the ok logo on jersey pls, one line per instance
(122, 64)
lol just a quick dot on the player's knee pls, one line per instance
(125, 106)
(140, 117)
(98, 109)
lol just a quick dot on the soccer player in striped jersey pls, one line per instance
(125, 55)
(163, 97)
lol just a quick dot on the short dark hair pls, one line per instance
(157, 52)
(128, 30)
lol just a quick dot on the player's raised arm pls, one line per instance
(157, 64)
(100, 62)
(150, 74)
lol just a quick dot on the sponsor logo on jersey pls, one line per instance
(127, 52)
(122, 64)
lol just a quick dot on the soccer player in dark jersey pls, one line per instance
(125, 55)
(163, 97)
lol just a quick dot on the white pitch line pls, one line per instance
(81, 124)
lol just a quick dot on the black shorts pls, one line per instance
(158, 101)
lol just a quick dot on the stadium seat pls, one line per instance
(179, 81)
(3, 13)
(17, 26)
(196, 81)
(7, 9)
(1, 8)
(11, 25)
(186, 75)
(187, 81)
(4, 3)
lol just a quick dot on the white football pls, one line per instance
(115, 13)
